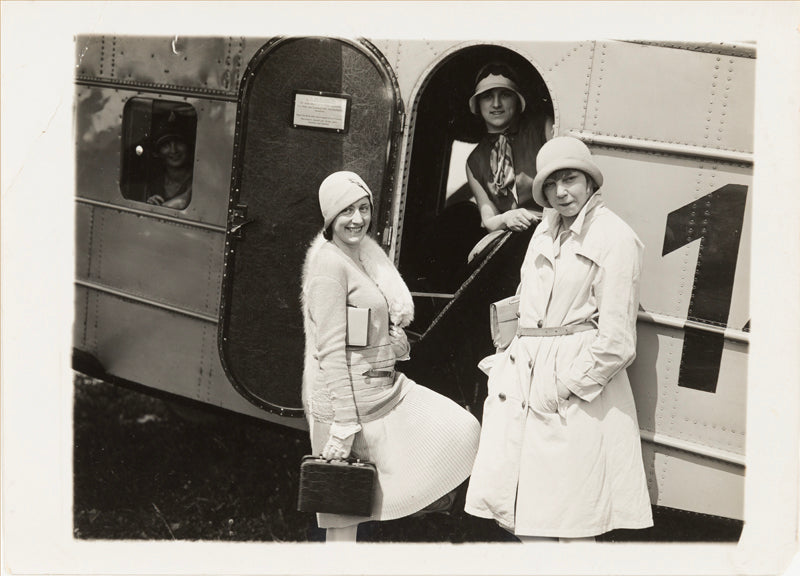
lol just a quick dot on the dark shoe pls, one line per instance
(443, 505)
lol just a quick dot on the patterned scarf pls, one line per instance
(501, 163)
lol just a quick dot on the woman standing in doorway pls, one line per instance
(501, 168)
(422, 443)
(560, 454)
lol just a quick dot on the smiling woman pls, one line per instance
(357, 404)
(157, 164)
(351, 224)
(501, 168)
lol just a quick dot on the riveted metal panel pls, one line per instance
(733, 103)
(715, 419)
(212, 63)
(410, 58)
(717, 488)
(98, 132)
(644, 189)
(702, 380)
(79, 328)
(712, 419)
(83, 239)
(146, 344)
(95, 57)
(566, 68)
(168, 351)
(672, 95)
(86, 321)
(160, 260)
(201, 63)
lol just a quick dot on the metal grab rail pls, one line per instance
(682, 324)
(147, 301)
(148, 214)
(692, 447)
(673, 148)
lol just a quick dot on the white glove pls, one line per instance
(340, 441)
(400, 345)
(519, 219)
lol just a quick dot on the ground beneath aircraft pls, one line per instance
(142, 472)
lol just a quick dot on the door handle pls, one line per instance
(238, 220)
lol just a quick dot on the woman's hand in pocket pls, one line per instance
(564, 394)
(562, 391)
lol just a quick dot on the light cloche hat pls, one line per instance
(558, 154)
(494, 81)
(338, 191)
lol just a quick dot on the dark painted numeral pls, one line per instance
(716, 220)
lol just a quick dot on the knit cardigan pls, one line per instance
(321, 258)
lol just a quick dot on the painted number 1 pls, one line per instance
(716, 220)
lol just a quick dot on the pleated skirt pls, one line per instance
(422, 449)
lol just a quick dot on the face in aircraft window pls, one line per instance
(158, 152)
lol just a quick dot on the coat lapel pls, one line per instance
(586, 247)
(542, 244)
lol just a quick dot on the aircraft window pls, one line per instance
(158, 139)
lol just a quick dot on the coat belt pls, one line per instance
(555, 330)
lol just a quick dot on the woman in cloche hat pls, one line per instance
(357, 404)
(560, 454)
(172, 186)
(500, 169)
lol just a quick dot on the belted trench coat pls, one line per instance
(549, 466)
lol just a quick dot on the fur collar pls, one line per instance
(382, 271)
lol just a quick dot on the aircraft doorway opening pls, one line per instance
(442, 223)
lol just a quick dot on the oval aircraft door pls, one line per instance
(308, 107)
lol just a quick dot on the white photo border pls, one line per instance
(38, 60)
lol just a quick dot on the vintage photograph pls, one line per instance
(461, 292)
(206, 167)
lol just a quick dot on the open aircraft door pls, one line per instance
(307, 107)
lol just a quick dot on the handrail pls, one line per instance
(148, 214)
(148, 301)
(673, 148)
(692, 447)
(682, 324)
(433, 295)
(166, 89)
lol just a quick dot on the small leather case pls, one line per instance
(336, 486)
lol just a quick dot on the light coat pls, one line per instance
(571, 467)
